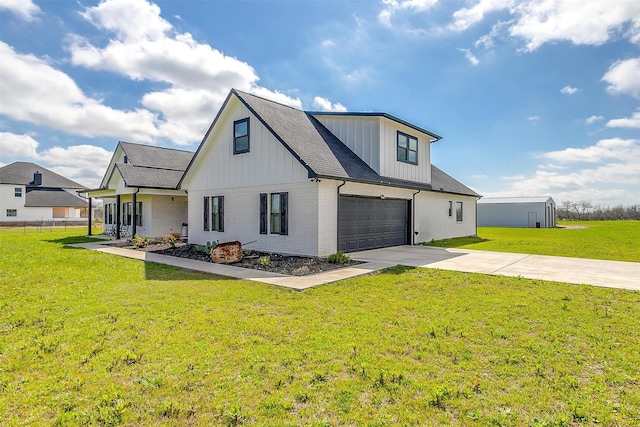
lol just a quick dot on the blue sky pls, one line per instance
(532, 97)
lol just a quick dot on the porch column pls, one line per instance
(89, 216)
(118, 217)
(133, 214)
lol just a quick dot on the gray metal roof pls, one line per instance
(21, 173)
(497, 200)
(52, 198)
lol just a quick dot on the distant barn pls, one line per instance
(523, 212)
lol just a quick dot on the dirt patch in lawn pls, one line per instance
(272, 262)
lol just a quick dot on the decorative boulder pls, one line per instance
(227, 253)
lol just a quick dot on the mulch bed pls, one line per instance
(275, 263)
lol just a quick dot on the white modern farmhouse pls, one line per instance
(32, 194)
(283, 180)
(139, 191)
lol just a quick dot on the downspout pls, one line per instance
(134, 211)
(338, 219)
(413, 218)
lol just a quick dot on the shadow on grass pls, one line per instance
(70, 240)
(397, 269)
(164, 272)
(455, 242)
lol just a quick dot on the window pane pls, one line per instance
(412, 157)
(402, 141)
(275, 203)
(242, 143)
(275, 223)
(402, 154)
(241, 128)
(215, 205)
(413, 144)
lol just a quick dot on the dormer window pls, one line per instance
(241, 136)
(407, 148)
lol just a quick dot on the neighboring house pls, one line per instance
(517, 212)
(139, 191)
(31, 193)
(283, 180)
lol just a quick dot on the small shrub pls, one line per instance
(206, 249)
(140, 241)
(265, 261)
(339, 258)
(170, 239)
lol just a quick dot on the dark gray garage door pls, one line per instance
(367, 223)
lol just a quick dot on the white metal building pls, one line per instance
(522, 212)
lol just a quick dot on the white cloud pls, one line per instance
(609, 174)
(85, 163)
(605, 149)
(568, 90)
(580, 22)
(393, 6)
(470, 56)
(533, 118)
(13, 146)
(147, 47)
(323, 104)
(623, 78)
(544, 21)
(277, 97)
(468, 16)
(627, 122)
(593, 119)
(23, 8)
(33, 91)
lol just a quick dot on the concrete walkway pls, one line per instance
(613, 274)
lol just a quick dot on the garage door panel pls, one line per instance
(367, 223)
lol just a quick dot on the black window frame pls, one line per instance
(237, 137)
(282, 215)
(450, 208)
(404, 151)
(11, 212)
(459, 212)
(263, 212)
(205, 213)
(17, 191)
(217, 218)
(127, 214)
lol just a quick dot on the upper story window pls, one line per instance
(407, 148)
(18, 191)
(241, 136)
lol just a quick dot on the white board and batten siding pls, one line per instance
(267, 168)
(374, 140)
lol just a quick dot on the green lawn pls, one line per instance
(94, 339)
(612, 240)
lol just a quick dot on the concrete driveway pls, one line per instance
(611, 274)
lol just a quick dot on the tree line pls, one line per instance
(585, 210)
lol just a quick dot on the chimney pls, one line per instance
(37, 178)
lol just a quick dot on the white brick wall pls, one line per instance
(242, 218)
